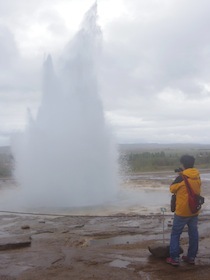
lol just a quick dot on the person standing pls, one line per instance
(183, 216)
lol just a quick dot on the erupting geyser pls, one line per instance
(66, 156)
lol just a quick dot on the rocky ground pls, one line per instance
(97, 247)
(82, 247)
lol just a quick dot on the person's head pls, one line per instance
(187, 161)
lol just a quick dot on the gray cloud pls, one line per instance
(155, 75)
(157, 69)
(169, 51)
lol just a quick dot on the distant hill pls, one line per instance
(145, 147)
(155, 147)
(137, 157)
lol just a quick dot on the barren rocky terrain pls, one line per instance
(79, 247)
(115, 246)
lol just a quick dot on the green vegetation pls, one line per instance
(6, 162)
(163, 160)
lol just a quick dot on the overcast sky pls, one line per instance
(155, 84)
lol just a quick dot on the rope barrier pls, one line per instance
(78, 215)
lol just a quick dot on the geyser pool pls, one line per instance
(66, 156)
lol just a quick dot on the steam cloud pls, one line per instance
(66, 156)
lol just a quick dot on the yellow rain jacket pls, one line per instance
(179, 188)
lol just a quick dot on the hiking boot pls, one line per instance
(188, 260)
(174, 262)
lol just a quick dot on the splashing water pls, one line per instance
(66, 156)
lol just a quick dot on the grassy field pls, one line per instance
(157, 157)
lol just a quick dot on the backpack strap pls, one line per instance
(189, 189)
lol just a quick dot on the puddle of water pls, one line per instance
(128, 259)
(8, 225)
(4, 234)
(119, 263)
(125, 239)
(144, 275)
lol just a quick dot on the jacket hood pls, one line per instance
(191, 173)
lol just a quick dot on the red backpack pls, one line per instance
(195, 200)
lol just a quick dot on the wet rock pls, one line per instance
(79, 226)
(14, 242)
(25, 227)
(161, 250)
(170, 224)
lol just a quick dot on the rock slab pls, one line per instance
(14, 242)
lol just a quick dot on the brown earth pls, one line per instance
(95, 247)
(81, 247)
